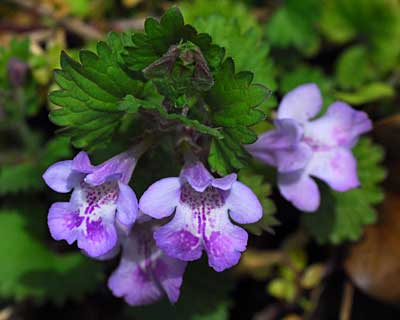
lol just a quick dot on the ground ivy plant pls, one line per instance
(172, 91)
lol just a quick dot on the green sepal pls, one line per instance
(133, 105)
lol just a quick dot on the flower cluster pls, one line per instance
(179, 217)
(103, 209)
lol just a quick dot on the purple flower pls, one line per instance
(101, 197)
(145, 273)
(321, 148)
(201, 221)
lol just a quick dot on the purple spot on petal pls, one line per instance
(185, 239)
(336, 162)
(340, 135)
(95, 230)
(210, 198)
(160, 269)
(98, 196)
(73, 220)
(202, 204)
(218, 244)
(315, 144)
(142, 276)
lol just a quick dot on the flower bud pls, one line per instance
(17, 71)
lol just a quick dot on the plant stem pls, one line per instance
(347, 301)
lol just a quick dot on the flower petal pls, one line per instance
(145, 272)
(169, 272)
(127, 205)
(197, 176)
(225, 244)
(160, 199)
(286, 138)
(110, 254)
(98, 238)
(337, 168)
(340, 126)
(293, 159)
(60, 176)
(81, 163)
(301, 104)
(132, 283)
(224, 183)
(287, 134)
(176, 240)
(119, 167)
(298, 188)
(64, 221)
(243, 204)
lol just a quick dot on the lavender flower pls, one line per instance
(100, 198)
(201, 221)
(145, 273)
(321, 148)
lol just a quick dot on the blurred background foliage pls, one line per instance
(302, 266)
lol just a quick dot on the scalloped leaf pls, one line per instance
(233, 102)
(87, 104)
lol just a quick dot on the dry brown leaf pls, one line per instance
(6, 313)
(374, 263)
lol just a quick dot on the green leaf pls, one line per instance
(204, 296)
(19, 177)
(293, 25)
(27, 175)
(245, 45)
(342, 215)
(262, 190)
(282, 289)
(90, 93)
(133, 105)
(368, 93)
(375, 22)
(30, 270)
(227, 154)
(233, 102)
(352, 67)
(228, 9)
(158, 37)
(80, 8)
